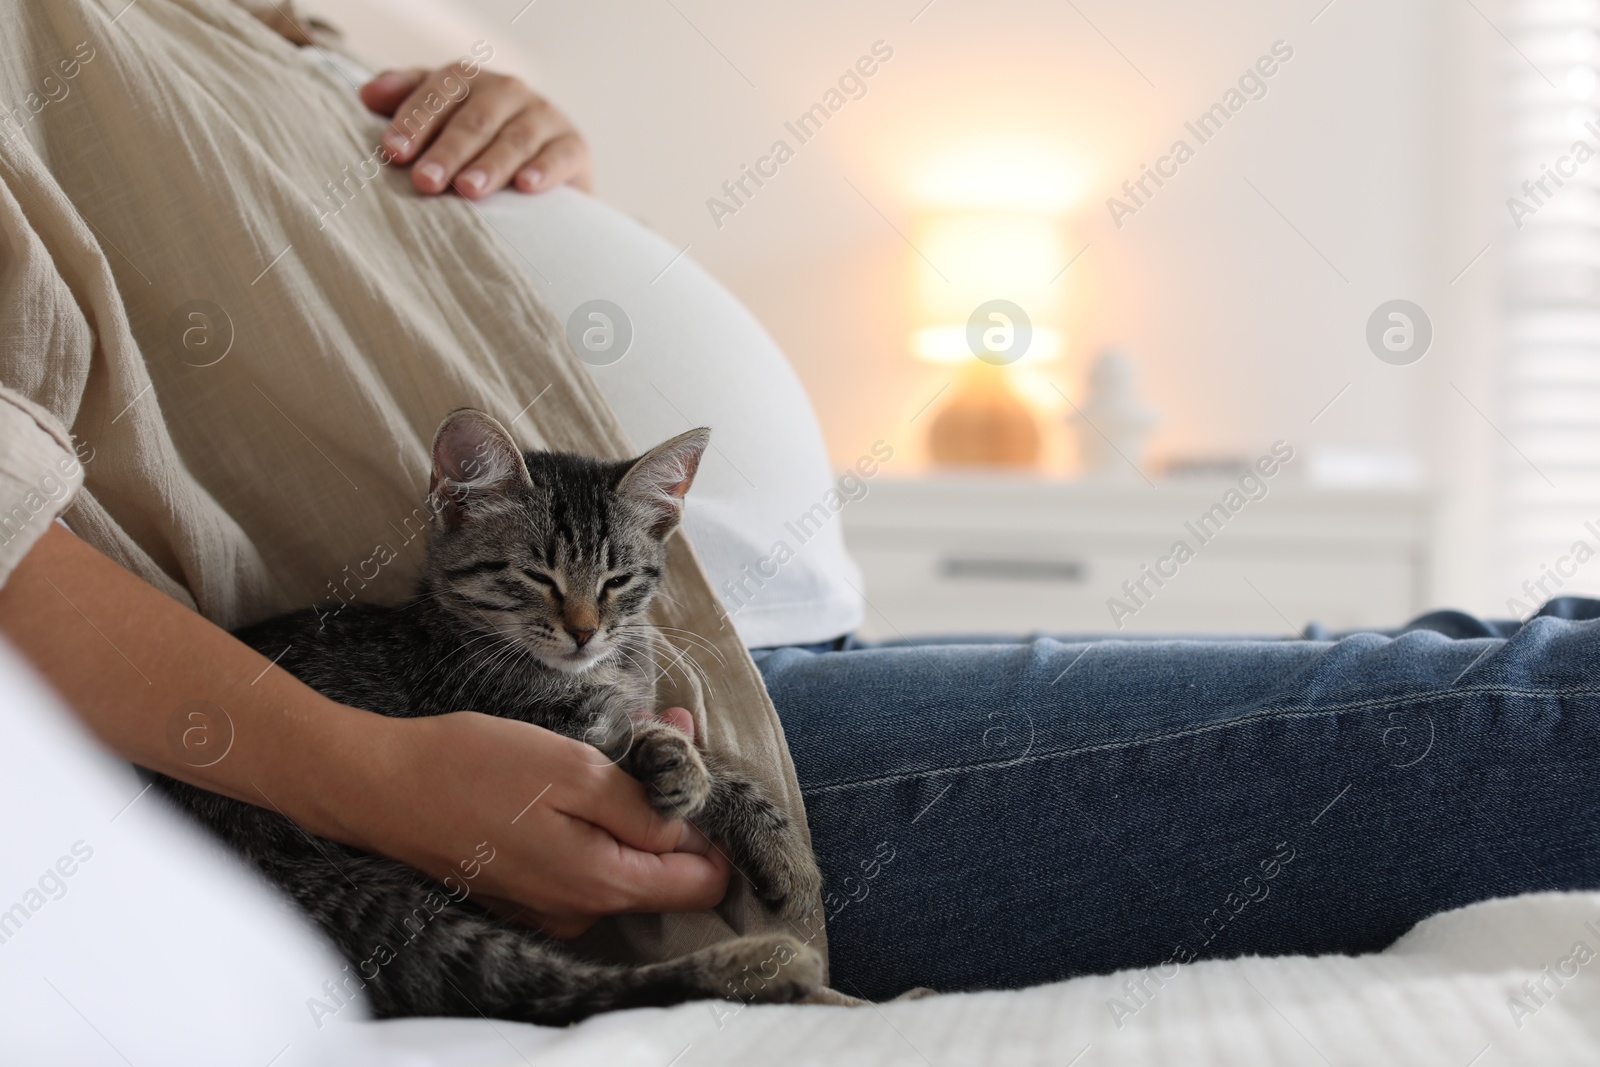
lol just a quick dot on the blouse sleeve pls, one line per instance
(40, 473)
(42, 331)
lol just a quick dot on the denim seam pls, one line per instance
(1254, 719)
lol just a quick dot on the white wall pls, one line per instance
(1375, 142)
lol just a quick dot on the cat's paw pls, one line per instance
(674, 776)
(768, 848)
(788, 878)
(765, 969)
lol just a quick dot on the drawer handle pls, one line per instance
(1012, 570)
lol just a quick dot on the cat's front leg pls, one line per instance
(766, 846)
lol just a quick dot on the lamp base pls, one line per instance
(985, 424)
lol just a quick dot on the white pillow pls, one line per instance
(128, 937)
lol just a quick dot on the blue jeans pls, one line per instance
(995, 815)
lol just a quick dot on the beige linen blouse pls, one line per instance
(229, 389)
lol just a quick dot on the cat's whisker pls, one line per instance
(682, 655)
(691, 667)
(513, 650)
(479, 654)
(644, 662)
(490, 635)
(662, 594)
(657, 650)
(685, 656)
(687, 641)
(646, 668)
(494, 661)
(690, 637)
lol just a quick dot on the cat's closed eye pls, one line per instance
(542, 579)
(616, 581)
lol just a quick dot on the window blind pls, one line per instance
(1549, 411)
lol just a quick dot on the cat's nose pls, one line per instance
(580, 634)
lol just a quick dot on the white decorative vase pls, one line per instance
(1113, 424)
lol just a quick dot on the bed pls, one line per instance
(1501, 982)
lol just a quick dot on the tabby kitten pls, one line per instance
(540, 570)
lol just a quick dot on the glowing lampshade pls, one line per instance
(987, 290)
(970, 256)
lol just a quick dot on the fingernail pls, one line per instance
(389, 80)
(395, 142)
(433, 172)
(474, 179)
(530, 177)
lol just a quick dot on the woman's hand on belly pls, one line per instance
(476, 134)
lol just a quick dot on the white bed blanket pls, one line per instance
(1513, 981)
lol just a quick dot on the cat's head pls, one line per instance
(557, 552)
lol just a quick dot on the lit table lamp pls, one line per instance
(985, 295)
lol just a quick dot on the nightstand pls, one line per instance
(998, 553)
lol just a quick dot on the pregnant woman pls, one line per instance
(986, 815)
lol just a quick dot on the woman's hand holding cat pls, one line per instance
(573, 836)
(476, 132)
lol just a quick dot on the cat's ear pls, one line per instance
(660, 478)
(475, 465)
